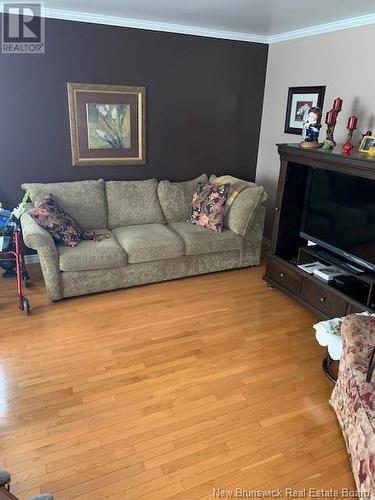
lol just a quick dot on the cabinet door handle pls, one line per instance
(322, 299)
(276, 209)
(281, 275)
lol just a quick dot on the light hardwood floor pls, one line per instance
(165, 391)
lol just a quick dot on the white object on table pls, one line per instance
(328, 335)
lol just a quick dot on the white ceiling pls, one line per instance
(260, 18)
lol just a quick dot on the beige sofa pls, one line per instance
(148, 239)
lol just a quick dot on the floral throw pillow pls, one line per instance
(208, 205)
(62, 227)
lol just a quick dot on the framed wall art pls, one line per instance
(367, 142)
(107, 124)
(300, 100)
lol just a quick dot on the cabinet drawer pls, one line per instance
(323, 299)
(284, 276)
(352, 308)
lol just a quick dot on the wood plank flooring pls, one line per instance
(166, 391)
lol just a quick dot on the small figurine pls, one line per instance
(311, 127)
(328, 145)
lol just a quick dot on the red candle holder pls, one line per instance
(337, 104)
(331, 120)
(351, 126)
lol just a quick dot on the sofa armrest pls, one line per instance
(358, 328)
(35, 236)
(358, 333)
(253, 239)
(240, 215)
(39, 239)
(254, 230)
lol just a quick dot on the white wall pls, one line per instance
(343, 62)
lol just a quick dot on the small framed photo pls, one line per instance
(367, 142)
(300, 100)
(107, 124)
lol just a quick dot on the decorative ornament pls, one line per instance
(311, 127)
(366, 134)
(331, 120)
(21, 208)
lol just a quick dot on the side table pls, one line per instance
(6, 495)
(328, 334)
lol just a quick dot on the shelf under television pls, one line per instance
(316, 251)
(320, 297)
(354, 286)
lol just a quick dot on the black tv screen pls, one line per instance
(339, 214)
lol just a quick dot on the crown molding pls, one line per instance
(86, 17)
(354, 22)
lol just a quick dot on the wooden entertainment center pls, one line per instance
(288, 249)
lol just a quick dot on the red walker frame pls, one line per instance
(21, 273)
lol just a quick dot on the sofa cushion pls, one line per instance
(199, 240)
(133, 202)
(241, 213)
(148, 242)
(84, 200)
(90, 255)
(175, 198)
(208, 206)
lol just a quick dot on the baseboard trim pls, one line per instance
(32, 259)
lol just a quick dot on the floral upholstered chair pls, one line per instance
(353, 399)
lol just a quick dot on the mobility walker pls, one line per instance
(11, 253)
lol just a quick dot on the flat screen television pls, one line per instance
(339, 215)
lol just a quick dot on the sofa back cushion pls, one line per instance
(175, 198)
(83, 200)
(133, 202)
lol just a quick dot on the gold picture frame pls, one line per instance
(107, 124)
(367, 142)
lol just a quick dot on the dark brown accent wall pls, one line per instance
(204, 103)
